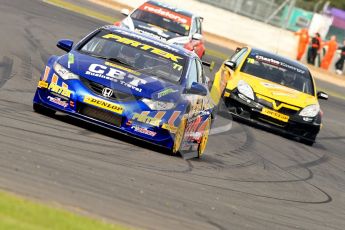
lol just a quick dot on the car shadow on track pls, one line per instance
(274, 131)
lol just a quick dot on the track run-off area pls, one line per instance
(248, 178)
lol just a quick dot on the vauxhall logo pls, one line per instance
(106, 92)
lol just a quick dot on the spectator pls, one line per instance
(339, 65)
(332, 48)
(314, 49)
(302, 42)
(319, 50)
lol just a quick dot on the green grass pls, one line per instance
(21, 214)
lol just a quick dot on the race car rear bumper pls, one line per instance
(250, 111)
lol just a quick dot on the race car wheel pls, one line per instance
(42, 110)
(179, 136)
(204, 139)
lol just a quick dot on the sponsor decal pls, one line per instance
(141, 38)
(63, 91)
(156, 29)
(146, 119)
(279, 90)
(115, 75)
(42, 84)
(143, 130)
(160, 114)
(123, 68)
(179, 18)
(142, 46)
(166, 92)
(273, 86)
(58, 101)
(274, 114)
(195, 128)
(277, 63)
(151, 34)
(173, 117)
(266, 59)
(103, 104)
(284, 94)
(170, 128)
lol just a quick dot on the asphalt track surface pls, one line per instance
(248, 179)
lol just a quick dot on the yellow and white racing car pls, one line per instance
(272, 91)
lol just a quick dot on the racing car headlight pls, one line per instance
(158, 105)
(64, 73)
(310, 111)
(245, 89)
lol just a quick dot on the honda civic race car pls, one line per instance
(272, 91)
(167, 23)
(133, 84)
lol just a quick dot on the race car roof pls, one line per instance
(280, 58)
(149, 40)
(172, 8)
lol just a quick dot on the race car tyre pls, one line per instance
(179, 136)
(42, 110)
(204, 139)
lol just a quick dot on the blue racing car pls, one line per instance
(133, 84)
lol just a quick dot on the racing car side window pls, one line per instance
(193, 74)
(237, 57)
(242, 54)
(198, 25)
(194, 29)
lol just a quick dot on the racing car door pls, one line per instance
(195, 77)
(199, 101)
(225, 73)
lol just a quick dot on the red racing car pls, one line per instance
(170, 24)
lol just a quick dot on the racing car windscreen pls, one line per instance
(278, 71)
(164, 18)
(157, 60)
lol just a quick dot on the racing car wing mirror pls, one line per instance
(197, 37)
(125, 12)
(209, 64)
(197, 89)
(65, 45)
(322, 95)
(230, 64)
